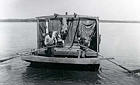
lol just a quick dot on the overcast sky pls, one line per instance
(105, 9)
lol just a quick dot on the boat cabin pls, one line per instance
(67, 41)
(72, 36)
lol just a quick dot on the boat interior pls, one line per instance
(73, 37)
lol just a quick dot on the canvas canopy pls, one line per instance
(84, 28)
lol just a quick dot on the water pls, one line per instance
(120, 41)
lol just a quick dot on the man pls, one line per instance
(49, 39)
(49, 42)
(83, 42)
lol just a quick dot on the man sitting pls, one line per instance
(83, 43)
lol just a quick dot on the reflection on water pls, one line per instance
(42, 76)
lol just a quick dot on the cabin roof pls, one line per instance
(66, 16)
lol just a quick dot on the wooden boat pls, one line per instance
(71, 53)
(76, 48)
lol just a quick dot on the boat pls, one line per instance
(74, 46)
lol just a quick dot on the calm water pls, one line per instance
(121, 41)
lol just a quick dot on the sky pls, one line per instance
(105, 9)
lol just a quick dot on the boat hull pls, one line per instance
(86, 64)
